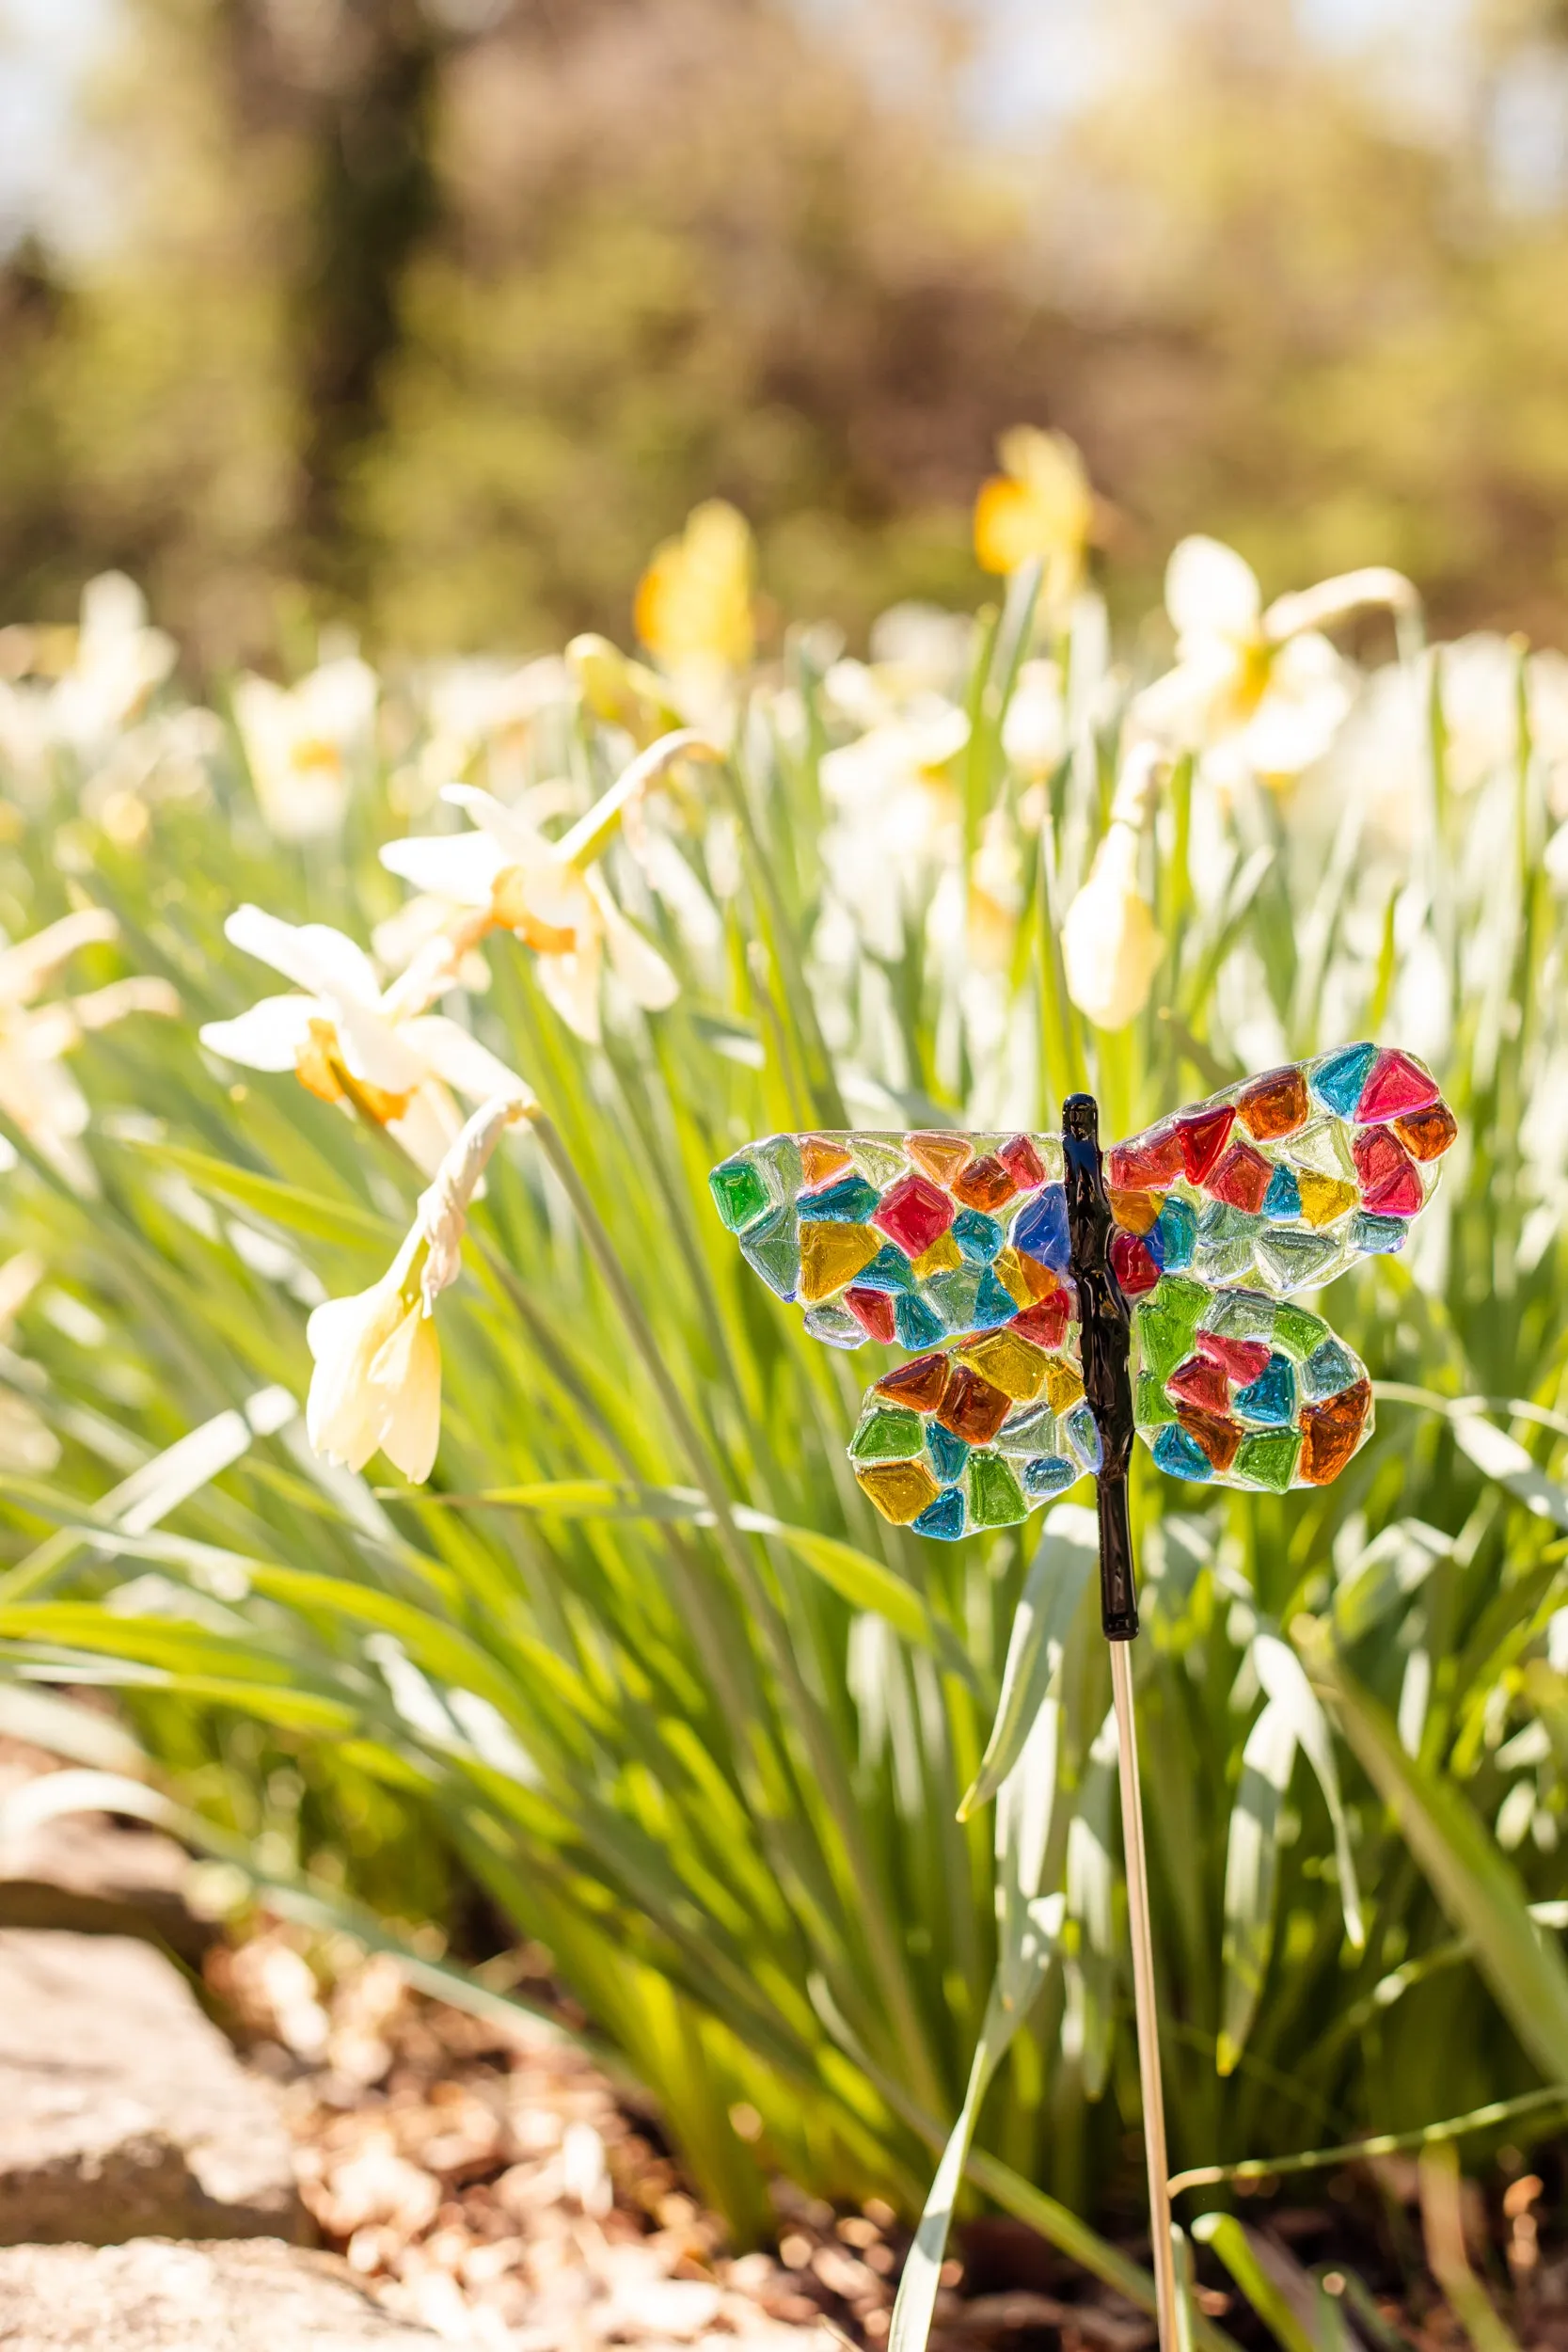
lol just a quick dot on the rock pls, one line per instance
(154, 2296)
(124, 2112)
(83, 1872)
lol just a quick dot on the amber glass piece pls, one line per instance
(1064, 1383)
(900, 1490)
(1217, 1436)
(832, 1256)
(919, 1384)
(1010, 1362)
(985, 1183)
(1427, 1135)
(1275, 1105)
(1330, 1433)
(1137, 1212)
(938, 1156)
(971, 1408)
(822, 1156)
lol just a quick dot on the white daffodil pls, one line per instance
(377, 1378)
(898, 818)
(118, 663)
(349, 1039)
(37, 1094)
(1258, 690)
(514, 878)
(301, 742)
(1111, 948)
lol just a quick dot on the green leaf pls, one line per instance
(1065, 1558)
(1251, 1872)
(1233, 2244)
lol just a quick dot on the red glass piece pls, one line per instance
(1427, 1135)
(1202, 1136)
(873, 1311)
(1200, 1381)
(1132, 1264)
(985, 1183)
(1329, 1433)
(1379, 1155)
(1241, 1179)
(1395, 1083)
(1242, 1359)
(1275, 1105)
(971, 1408)
(1218, 1436)
(1399, 1195)
(918, 1385)
(914, 1214)
(1045, 1322)
(1023, 1164)
(1150, 1163)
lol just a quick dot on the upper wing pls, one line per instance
(956, 1244)
(1274, 1186)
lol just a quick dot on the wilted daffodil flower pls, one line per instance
(300, 742)
(549, 893)
(1111, 948)
(349, 1041)
(1259, 691)
(1040, 504)
(377, 1378)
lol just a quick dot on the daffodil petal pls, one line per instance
(456, 1055)
(635, 961)
(571, 984)
(1211, 590)
(427, 1126)
(519, 841)
(312, 955)
(461, 866)
(268, 1037)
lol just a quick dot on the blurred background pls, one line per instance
(433, 316)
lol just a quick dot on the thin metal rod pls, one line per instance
(1143, 1993)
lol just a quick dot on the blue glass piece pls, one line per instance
(915, 1323)
(1271, 1397)
(1155, 1246)
(947, 1452)
(1283, 1197)
(772, 1249)
(1181, 1456)
(1373, 1235)
(1048, 1474)
(889, 1270)
(953, 1296)
(944, 1519)
(1329, 1369)
(1337, 1082)
(847, 1201)
(994, 1304)
(1176, 1225)
(978, 1237)
(1081, 1432)
(1041, 1229)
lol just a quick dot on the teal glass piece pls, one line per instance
(994, 1304)
(944, 1519)
(1296, 1258)
(1297, 1331)
(1373, 1236)
(1177, 1230)
(947, 1453)
(1337, 1081)
(1268, 1460)
(740, 1193)
(978, 1237)
(773, 1250)
(1181, 1456)
(1049, 1474)
(1329, 1369)
(1029, 1429)
(1241, 1315)
(834, 1325)
(847, 1201)
(915, 1323)
(879, 1159)
(888, 1433)
(889, 1270)
(1081, 1432)
(1283, 1197)
(995, 1499)
(780, 1160)
(1153, 1405)
(1271, 1397)
(1225, 1245)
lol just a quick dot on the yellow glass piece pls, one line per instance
(831, 1255)
(1324, 1198)
(1012, 1272)
(1011, 1363)
(1064, 1383)
(822, 1156)
(900, 1490)
(942, 1257)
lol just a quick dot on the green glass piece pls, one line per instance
(780, 1157)
(1321, 1149)
(1164, 1322)
(740, 1192)
(1238, 1315)
(1297, 1332)
(1226, 1241)
(773, 1250)
(1370, 1234)
(952, 1297)
(878, 1160)
(834, 1325)
(1268, 1460)
(1028, 1429)
(1294, 1259)
(995, 1498)
(1153, 1405)
(889, 1432)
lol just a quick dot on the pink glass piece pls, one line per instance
(1395, 1084)
(1132, 1264)
(1398, 1195)
(1202, 1139)
(1242, 1360)
(1200, 1382)
(1150, 1163)
(873, 1311)
(1378, 1157)
(1241, 1179)
(1023, 1164)
(914, 1214)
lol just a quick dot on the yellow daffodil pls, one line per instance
(694, 601)
(1040, 504)
(301, 742)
